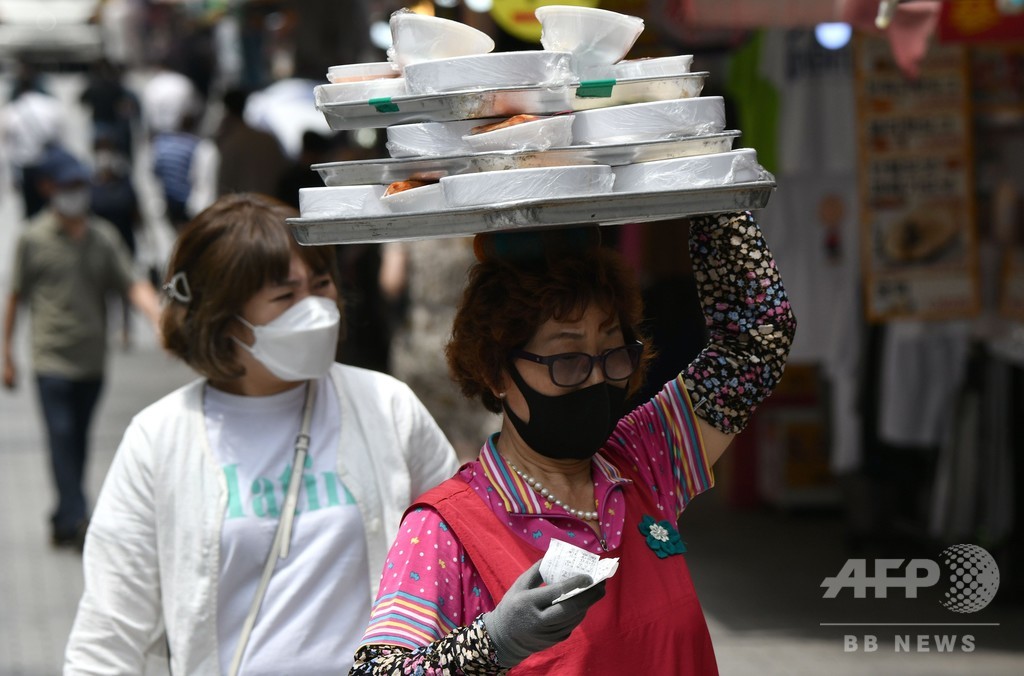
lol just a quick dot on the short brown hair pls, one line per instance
(227, 254)
(505, 303)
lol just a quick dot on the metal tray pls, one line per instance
(383, 171)
(608, 209)
(504, 102)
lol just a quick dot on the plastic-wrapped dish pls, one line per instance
(359, 72)
(737, 166)
(607, 209)
(515, 185)
(341, 201)
(521, 132)
(432, 139)
(650, 121)
(417, 37)
(591, 94)
(535, 68)
(595, 37)
(665, 66)
(362, 90)
(421, 198)
(384, 171)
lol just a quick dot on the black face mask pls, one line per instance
(570, 426)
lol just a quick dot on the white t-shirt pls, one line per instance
(317, 604)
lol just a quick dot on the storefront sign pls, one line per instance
(916, 185)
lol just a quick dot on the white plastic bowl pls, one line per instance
(547, 132)
(666, 66)
(699, 171)
(432, 139)
(358, 72)
(649, 121)
(347, 201)
(424, 198)
(516, 185)
(417, 38)
(595, 37)
(489, 71)
(364, 90)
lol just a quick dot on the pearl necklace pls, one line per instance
(538, 487)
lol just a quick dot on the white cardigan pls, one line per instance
(152, 554)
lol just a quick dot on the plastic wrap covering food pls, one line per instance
(501, 187)
(534, 68)
(432, 139)
(418, 37)
(737, 166)
(650, 121)
(341, 201)
(666, 66)
(538, 133)
(595, 37)
(423, 198)
(359, 72)
(350, 92)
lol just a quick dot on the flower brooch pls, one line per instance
(662, 537)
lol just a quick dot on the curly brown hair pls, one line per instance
(227, 253)
(505, 303)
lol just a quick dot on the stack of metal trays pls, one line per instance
(609, 209)
(384, 171)
(476, 104)
(550, 212)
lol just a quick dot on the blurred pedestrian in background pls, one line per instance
(316, 148)
(433, 275)
(66, 263)
(184, 163)
(251, 160)
(115, 200)
(274, 448)
(31, 122)
(115, 108)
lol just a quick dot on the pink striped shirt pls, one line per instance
(429, 586)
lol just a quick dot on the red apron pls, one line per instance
(649, 622)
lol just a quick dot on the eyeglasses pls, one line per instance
(572, 368)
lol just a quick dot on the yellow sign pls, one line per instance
(974, 16)
(516, 17)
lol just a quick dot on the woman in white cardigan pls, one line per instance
(191, 550)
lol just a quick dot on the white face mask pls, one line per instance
(300, 344)
(72, 203)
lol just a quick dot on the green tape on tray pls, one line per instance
(595, 89)
(384, 105)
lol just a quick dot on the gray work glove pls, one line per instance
(525, 622)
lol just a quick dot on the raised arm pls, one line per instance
(750, 323)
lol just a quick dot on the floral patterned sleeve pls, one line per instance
(749, 319)
(466, 651)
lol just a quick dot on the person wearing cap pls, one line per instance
(66, 263)
(548, 334)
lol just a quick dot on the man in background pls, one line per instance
(66, 263)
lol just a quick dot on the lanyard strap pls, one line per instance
(283, 536)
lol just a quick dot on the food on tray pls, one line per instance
(359, 72)
(531, 68)
(494, 126)
(408, 184)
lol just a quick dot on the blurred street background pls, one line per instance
(820, 477)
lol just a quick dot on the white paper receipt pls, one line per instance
(563, 560)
